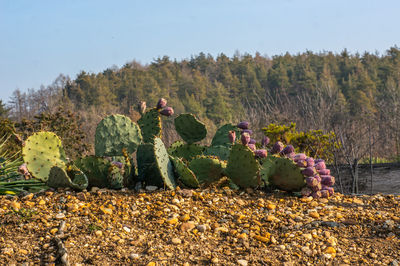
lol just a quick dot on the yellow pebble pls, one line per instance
(314, 214)
(172, 221)
(262, 238)
(184, 218)
(42, 202)
(270, 218)
(152, 263)
(53, 231)
(271, 206)
(330, 250)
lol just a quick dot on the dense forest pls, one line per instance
(355, 96)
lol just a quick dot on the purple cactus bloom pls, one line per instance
(310, 162)
(248, 131)
(316, 194)
(245, 138)
(288, 149)
(324, 171)
(290, 155)
(320, 165)
(301, 163)
(264, 141)
(300, 156)
(252, 147)
(306, 191)
(261, 153)
(232, 136)
(318, 177)
(117, 164)
(309, 171)
(319, 160)
(167, 111)
(252, 141)
(243, 125)
(142, 107)
(311, 181)
(278, 147)
(327, 180)
(161, 103)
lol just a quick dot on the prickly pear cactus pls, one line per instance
(115, 177)
(222, 152)
(185, 151)
(184, 174)
(189, 128)
(221, 136)
(96, 169)
(155, 167)
(208, 169)
(267, 168)
(41, 152)
(150, 125)
(284, 174)
(72, 177)
(115, 133)
(242, 167)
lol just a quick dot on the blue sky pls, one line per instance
(41, 39)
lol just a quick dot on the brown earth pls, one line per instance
(199, 227)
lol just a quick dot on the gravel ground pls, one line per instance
(198, 227)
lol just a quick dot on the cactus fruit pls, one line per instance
(72, 177)
(150, 125)
(277, 148)
(316, 194)
(185, 151)
(306, 191)
(249, 131)
(261, 153)
(309, 171)
(161, 103)
(327, 180)
(208, 169)
(300, 156)
(265, 141)
(167, 111)
(252, 141)
(232, 136)
(41, 152)
(245, 138)
(324, 171)
(310, 162)
(320, 165)
(222, 152)
(96, 170)
(220, 137)
(189, 128)
(252, 147)
(288, 150)
(311, 181)
(243, 125)
(184, 174)
(301, 163)
(242, 167)
(115, 133)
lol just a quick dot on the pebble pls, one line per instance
(151, 188)
(126, 229)
(98, 233)
(188, 226)
(214, 260)
(60, 216)
(201, 228)
(15, 205)
(271, 206)
(242, 262)
(176, 241)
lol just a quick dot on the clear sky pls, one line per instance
(41, 39)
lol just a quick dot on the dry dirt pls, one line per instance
(198, 227)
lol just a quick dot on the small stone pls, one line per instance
(307, 236)
(126, 229)
(240, 202)
(373, 255)
(176, 241)
(184, 218)
(330, 250)
(201, 227)
(172, 220)
(242, 262)
(15, 205)
(23, 251)
(151, 263)
(314, 214)
(151, 188)
(60, 216)
(394, 263)
(270, 218)
(282, 247)
(134, 256)
(271, 206)
(7, 251)
(94, 189)
(98, 233)
(214, 260)
(28, 197)
(107, 211)
(221, 229)
(175, 201)
(53, 231)
(42, 202)
(185, 227)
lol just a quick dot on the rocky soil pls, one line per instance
(198, 227)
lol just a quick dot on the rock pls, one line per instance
(94, 189)
(15, 205)
(330, 224)
(176, 241)
(271, 206)
(60, 216)
(151, 188)
(7, 251)
(28, 197)
(201, 228)
(242, 262)
(126, 229)
(314, 214)
(188, 226)
(394, 263)
(214, 260)
(98, 233)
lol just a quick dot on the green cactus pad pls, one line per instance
(41, 152)
(96, 169)
(222, 152)
(185, 151)
(155, 167)
(221, 136)
(115, 133)
(284, 174)
(115, 177)
(242, 167)
(73, 178)
(185, 175)
(150, 125)
(189, 128)
(207, 169)
(268, 167)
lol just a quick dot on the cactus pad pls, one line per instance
(207, 169)
(189, 128)
(115, 133)
(115, 177)
(267, 168)
(285, 175)
(41, 152)
(221, 136)
(96, 169)
(222, 152)
(185, 175)
(72, 177)
(242, 167)
(150, 125)
(186, 151)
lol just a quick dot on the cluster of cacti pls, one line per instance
(243, 161)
